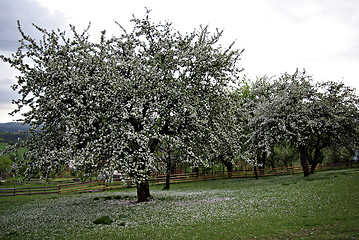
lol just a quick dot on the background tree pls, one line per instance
(100, 107)
(227, 131)
(259, 140)
(283, 155)
(308, 116)
(335, 123)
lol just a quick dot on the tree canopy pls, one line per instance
(100, 107)
(292, 109)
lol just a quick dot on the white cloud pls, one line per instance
(28, 12)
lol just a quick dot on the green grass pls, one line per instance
(19, 182)
(322, 206)
(21, 150)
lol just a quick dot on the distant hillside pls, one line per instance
(12, 131)
(10, 137)
(13, 127)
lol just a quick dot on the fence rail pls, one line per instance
(97, 186)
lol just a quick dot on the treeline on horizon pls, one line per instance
(11, 132)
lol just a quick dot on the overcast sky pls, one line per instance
(278, 36)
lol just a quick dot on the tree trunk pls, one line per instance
(196, 171)
(143, 192)
(316, 159)
(261, 159)
(168, 172)
(303, 152)
(256, 172)
(168, 178)
(312, 168)
(229, 167)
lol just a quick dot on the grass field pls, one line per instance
(21, 150)
(322, 206)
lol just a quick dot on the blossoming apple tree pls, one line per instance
(311, 117)
(105, 106)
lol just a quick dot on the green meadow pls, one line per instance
(322, 206)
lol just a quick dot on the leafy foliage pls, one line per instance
(5, 165)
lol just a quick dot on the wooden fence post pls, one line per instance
(59, 189)
(14, 191)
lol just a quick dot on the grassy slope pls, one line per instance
(321, 206)
(21, 150)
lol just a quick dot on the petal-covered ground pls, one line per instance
(322, 206)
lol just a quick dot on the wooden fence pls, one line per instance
(97, 186)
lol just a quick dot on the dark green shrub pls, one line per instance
(103, 220)
(118, 197)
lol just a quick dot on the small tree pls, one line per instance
(335, 120)
(100, 107)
